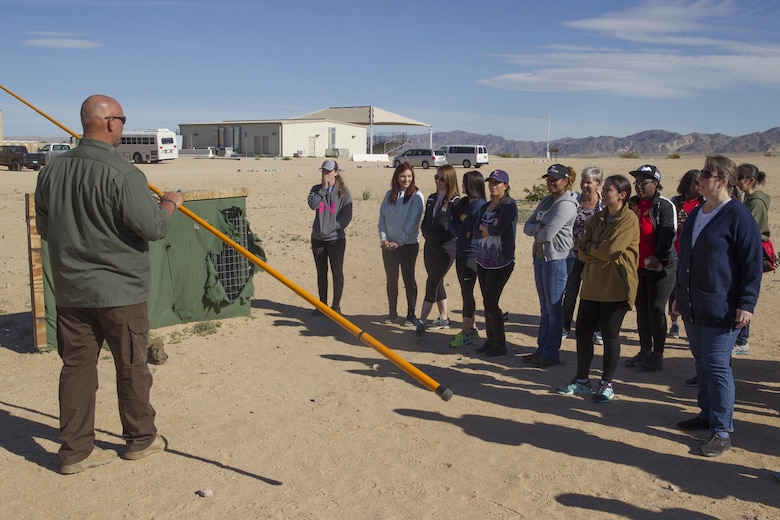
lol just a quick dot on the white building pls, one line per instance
(333, 132)
(277, 138)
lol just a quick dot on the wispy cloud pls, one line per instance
(671, 66)
(63, 43)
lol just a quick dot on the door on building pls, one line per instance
(312, 147)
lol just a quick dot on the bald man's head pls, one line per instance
(99, 119)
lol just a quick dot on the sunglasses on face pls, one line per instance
(706, 174)
(121, 118)
(643, 183)
(743, 177)
(437, 178)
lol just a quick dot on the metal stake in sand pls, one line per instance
(367, 339)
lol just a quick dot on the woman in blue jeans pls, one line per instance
(716, 292)
(551, 225)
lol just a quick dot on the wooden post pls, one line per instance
(36, 277)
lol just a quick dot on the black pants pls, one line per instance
(332, 251)
(466, 267)
(571, 292)
(404, 258)
(491, 284)
(438, 261)
(652, 296)
(609, 317)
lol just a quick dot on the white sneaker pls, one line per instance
(597, 339)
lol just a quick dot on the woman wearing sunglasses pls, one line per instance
(716, 292)
(657, 266)
(439, 248)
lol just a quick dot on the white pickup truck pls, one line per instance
(51, 151)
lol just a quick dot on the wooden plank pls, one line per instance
(36, 277)
(214, 194)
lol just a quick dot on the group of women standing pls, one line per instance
(626, 253)
(475, 234)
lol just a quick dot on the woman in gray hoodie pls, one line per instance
(332, 204)
(551, 225)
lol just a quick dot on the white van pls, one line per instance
(466, 154)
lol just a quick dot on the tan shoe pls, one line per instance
(98, 457)
(160, 443)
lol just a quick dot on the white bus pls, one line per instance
(153, 145)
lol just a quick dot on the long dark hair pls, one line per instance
(685, 183)
(621, 184)
(474, 184)
(395, 186)
(752, 171)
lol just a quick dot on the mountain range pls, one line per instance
(644, 143)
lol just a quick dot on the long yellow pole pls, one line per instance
(367, 339)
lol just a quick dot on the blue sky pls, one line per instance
(609, 67)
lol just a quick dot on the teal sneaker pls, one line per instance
(604, 393)
(439, 323)
(575, 388)
(474, 334)
(461, 340)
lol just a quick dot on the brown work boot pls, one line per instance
(159, 444)
(98, 457)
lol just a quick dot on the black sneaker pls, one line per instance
(694, 424)
(653, 363)
(693, 381)
(716, 445)
(634, 361)
(543, 362)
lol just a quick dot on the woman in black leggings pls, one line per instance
(609, 248)
(439, 250)
(399, 228)
(332, 204)
(496, 230)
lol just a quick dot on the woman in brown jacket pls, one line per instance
(609, 246)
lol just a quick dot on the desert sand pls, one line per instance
(286, 415)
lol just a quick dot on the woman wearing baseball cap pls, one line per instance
(495, 231)
(657, 266)
(332, 203)
(551, 225)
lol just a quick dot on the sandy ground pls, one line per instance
(286, 415)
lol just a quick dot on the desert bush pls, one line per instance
(536, 192)
(674, 156)
(629, 154)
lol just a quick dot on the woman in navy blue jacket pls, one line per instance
(495, 233)
(718, 281)
(462, 220)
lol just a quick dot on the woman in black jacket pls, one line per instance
(439, 249)
(657, 266)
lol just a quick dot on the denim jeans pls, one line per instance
(550, 283)
(711, 348)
